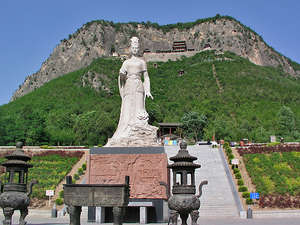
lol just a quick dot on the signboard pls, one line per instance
(49, 193)
(235, 161)
(273, 138)
(254, 195)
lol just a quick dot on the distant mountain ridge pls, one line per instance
(103, 38)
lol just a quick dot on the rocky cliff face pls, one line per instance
(100, 38)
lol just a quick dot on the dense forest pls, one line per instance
(233, 98)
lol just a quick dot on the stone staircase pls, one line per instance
(217, 199)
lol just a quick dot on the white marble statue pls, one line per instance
(133, 128)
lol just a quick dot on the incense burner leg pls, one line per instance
(173, 217)
(118, 215)
(8, 212)
(74, 212)
(184, 217)
(194, 215)
(23, 214)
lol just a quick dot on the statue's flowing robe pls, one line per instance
(133, 112)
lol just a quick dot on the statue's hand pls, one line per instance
(148, 94)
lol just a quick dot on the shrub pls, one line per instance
(80, 171)
(240, 182)
(76, 176)
(238, 176)
(230, 156)
(249, 201)
(246, 194)
(46, 147)
(228, 150)
(73, 181)
(226, 145)
(243, 189)
(61, 194)
(84, 166)
(59, 201)
(236, 170)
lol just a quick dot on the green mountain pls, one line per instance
(240, 100)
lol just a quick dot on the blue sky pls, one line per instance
(31, 29)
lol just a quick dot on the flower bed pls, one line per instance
(279, 201)
(276, 173)
(269, 149)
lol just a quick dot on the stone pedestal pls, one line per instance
(146, 166)
(138, 136)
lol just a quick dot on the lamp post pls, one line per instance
(14, 192)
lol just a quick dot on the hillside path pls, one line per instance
(217, 80)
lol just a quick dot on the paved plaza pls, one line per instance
(42, 220)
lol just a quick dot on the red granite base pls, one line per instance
(145, 171)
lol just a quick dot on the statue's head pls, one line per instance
(134, 45)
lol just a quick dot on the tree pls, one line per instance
(2, 132)
(285, 121)
(193, 124)
(59, 127)
(221, 128)
(93, 127)
(155, 115)
(260, 134)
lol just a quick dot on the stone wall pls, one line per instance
(164, 57)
